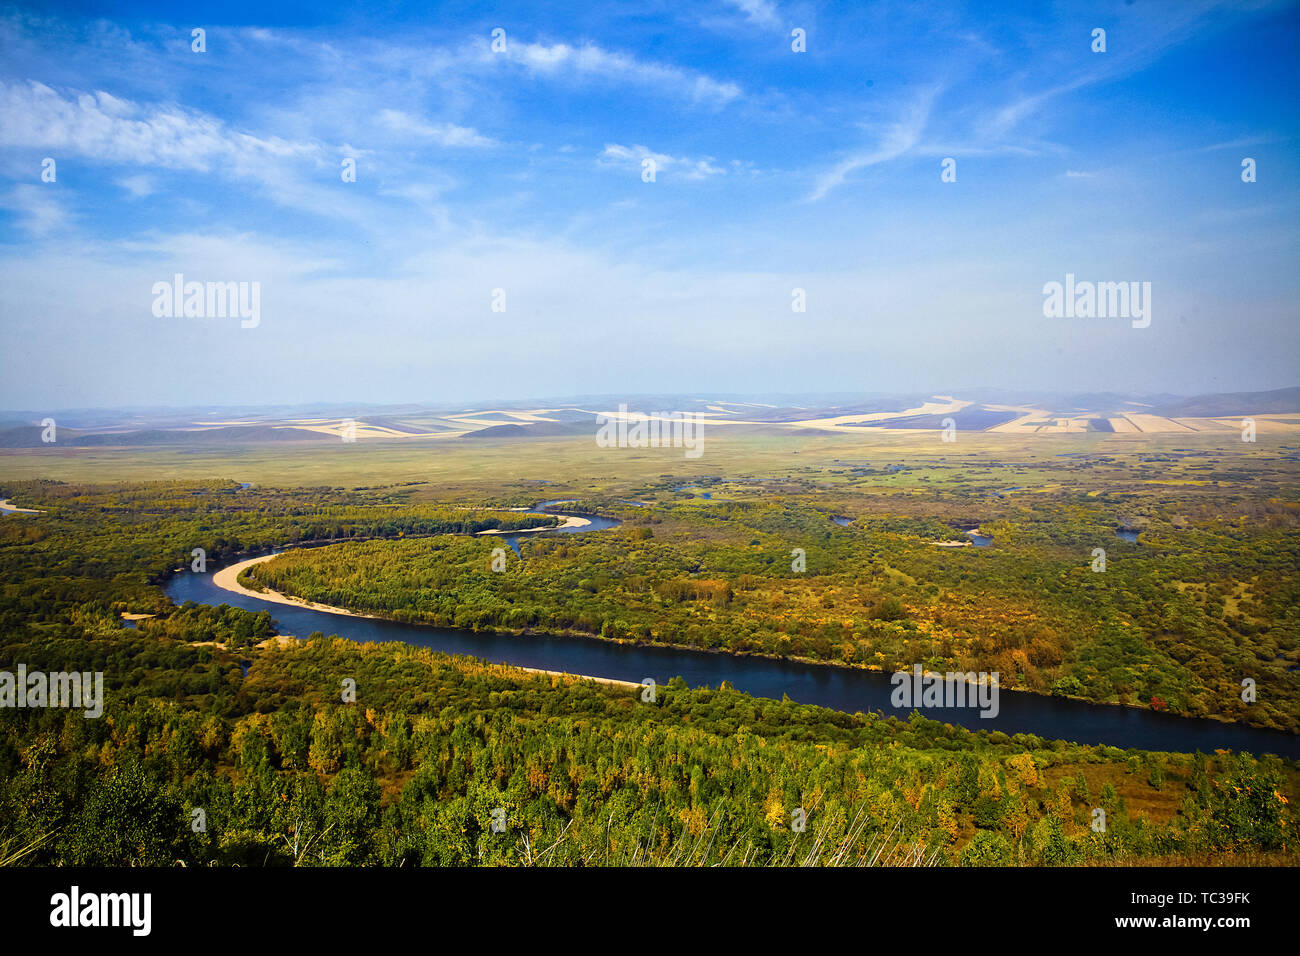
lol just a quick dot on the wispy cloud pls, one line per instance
(894, 140)
(1243, 142)
(562, 61)
(37, 209)
(1138, 38)
(692, 169)
(137, 187)
(762, 13)
(444, 134)
(107, 128)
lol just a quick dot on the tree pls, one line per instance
(986, 849)
(127, 820)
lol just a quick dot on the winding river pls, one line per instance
(840, 688)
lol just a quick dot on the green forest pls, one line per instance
(221, 744)
(1177, 621)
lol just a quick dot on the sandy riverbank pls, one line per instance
(570, 521)
(227, 580)
(12, 509)
(598, 680)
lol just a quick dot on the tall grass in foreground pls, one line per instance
(854, 848)
(12, 853)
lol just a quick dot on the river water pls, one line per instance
(840, 688)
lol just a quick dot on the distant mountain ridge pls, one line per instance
(1278, 401)
(30, 436)
(967, 411)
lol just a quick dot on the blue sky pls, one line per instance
(521, 170)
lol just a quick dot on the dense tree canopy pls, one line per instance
(221, 744)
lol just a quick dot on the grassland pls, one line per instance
(452, 468)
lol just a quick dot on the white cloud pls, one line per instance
(1149, 35)
(759, 12)
(693, 169)
(589, 60)
(137, 186)
(110, 129)
(1245, 142)
(444, 134)
(896, 138)
(37, 208)
(107, 129)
